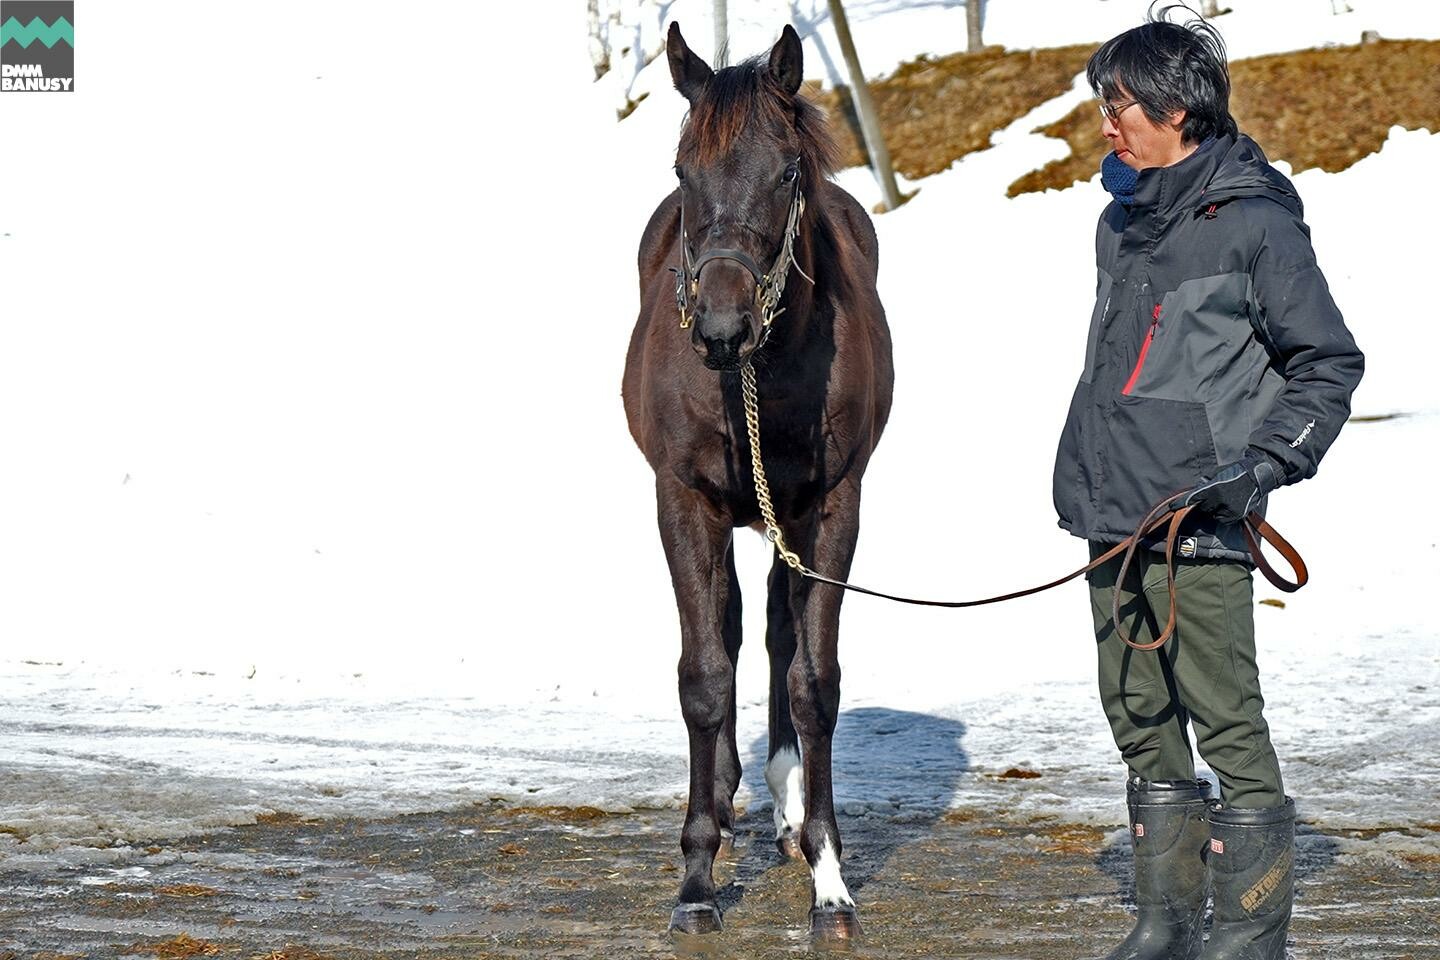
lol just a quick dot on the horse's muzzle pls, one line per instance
(729, 346)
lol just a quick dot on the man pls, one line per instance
(1217, 364)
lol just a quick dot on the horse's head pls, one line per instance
(750, 151)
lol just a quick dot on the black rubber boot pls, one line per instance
(1252, 860)
(1169, 835)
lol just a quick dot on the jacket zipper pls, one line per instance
(1144, 349)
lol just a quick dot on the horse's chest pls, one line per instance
(800, 462)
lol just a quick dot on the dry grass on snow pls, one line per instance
(1323, 108)
(933, 111)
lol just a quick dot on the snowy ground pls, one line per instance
(318, 495)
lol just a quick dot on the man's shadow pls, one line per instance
(895, 773)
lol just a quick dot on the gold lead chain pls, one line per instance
(762, 487)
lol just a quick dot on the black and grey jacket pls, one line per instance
(1213, 338)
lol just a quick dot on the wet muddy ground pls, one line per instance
(492, 882)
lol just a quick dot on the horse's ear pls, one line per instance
(787, 60)
(689, 72)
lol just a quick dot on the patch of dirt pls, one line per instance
(958, 816)
(557, 814)
(935, 110)
(1377, 417)
(1323, 108)
(187, 890)
(180, 948)
(972, 883)
(1015, 773)
(1071, 838)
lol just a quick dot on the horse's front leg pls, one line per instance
(814, 684)
(696, 536)
(727, 750)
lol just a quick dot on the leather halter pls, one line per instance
(769, 286)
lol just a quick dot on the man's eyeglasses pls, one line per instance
(1111, 111)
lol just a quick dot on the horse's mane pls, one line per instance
(746, 94)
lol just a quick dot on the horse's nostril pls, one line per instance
(745, 336)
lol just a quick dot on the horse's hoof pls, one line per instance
(695, 918)
(789, 846)
(834, 924)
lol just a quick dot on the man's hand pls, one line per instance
(1236, 488)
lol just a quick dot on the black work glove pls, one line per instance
(1236, 488)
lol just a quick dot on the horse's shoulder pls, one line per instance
(660, 233)
(849, 218)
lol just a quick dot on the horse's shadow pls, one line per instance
(895, 774)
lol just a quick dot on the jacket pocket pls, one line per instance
(1196, 335)
(1144, 354)
(1168, 449)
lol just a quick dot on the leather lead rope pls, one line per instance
(1254, 527)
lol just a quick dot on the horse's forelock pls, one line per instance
(746, 95)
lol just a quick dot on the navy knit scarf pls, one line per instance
(1118, 178)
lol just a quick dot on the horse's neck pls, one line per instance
(805, 291)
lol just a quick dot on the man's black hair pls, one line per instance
(1166, 67)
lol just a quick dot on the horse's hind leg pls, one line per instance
(783, 773)
(727, 752)
(814, 682)
(696, 537)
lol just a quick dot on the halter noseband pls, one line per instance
(769, 287)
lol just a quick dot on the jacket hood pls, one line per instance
(1243, 171)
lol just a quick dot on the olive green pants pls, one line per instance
(1204, 676)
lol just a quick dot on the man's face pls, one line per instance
(1139, 142)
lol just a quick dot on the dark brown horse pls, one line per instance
(753, 159)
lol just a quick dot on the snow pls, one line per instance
(318, 496)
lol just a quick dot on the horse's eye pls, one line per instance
(791, 172)
(679, 174)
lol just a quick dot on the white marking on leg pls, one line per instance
(830, 889)
(786, 779)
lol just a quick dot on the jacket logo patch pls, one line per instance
(1217, 846)
(1139, 829)
(1189, 547)
(1303, 434)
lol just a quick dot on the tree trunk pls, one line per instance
(865, 108)
(974, 19)
(721, 15)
